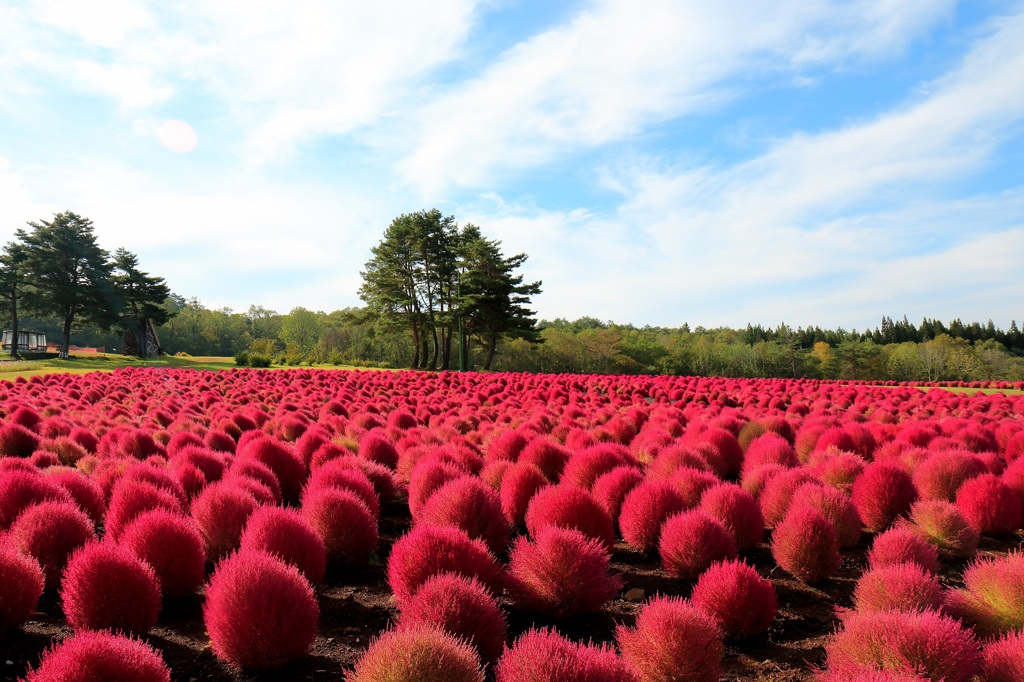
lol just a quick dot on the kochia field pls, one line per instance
(324, 525)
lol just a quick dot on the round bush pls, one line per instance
(100, 656)
(260, 612)
(344, 523)
(172, 545)
(21, 489)
(546, 656)
(87, 493)
(645, 509)
(897, 587)
(835, 506)
(777, 492)
(992, 600)
(106, 587)
(769, 448)
(805, 544)
(130, 498)
(882, 493)
(342, 477)
(585, 466)
(692, 484)
(546, 455)
(472, 505)
(989, 505)
(611, 488)
(426, 478)
(287, 534)
(562, 573)
(673, 640)
(743, 603)
(900, 545)
(426, 551)
(927, 643)
(942, 524)
(569, 506)
(17, 441)
(420, 654)
(518, 485)
(251, 469)
(1004, 658)
(375, 447)
(462, 607)
(940, 475)
(221, 512)
(50, 532)
(282, 460)
(21, 585)
(737, 510)
(693, 540)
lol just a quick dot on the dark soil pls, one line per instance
(356, 605)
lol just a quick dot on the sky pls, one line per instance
(808, 162)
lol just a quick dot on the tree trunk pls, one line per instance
(434, 346)
(446, 349)
(416, 346)
(65, 341)
(14, 321)
(423, 351)
(492, 343)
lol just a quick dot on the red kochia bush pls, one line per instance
(584, 467)
(805, 544)
(769, 448)
(546, 656)
(287, 534)
(462, 607)
(17, 441)
(260, 612)
(348, 479)
(942, 473)
(132, 497)
(989, 505)
(1004, 658)
(993, 598)
(900, 545)
(375, 447)
(256, 471)
(342, 520)
(21, 585)
(546, 455)
(777, 492)
(426, 551)
(282, 460)
(742, 602)
(897, 587)
(563, 573)
(927, 643)
(87, 493)
(426, 478)
(570, 507)
(692, 483)
(100, 656)
(518, 485)
(882, 493)
(21, 489)
(673, 640)
(420, 654)
(221, 512)
(172, 545)
(107, 587)
(942, 524)
(643, 511)
(50, 532)
(691, 541)
(611, 488)
(471, 505)
(835, 506)
(737, 510)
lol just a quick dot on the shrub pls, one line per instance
(462, 607)
(260, 361)
(221, 512)
(347, 478)
(426, 478)
(426, 551)
(943, 472)
(645, 509)
(21, 585)
(289, 469)
(881, 494)
(993, 598)
(692, 483)
(727, 447)
(107, 587)
(900, 545)
(777, 492)
(769, 448)
(927, 643)
(805, 544)
(835, 506)
(131, 498)
(738, 512)
(989, 505)
(518, 485)
(473, 506)
(260, 612)
(506, 446)
(375, 447)
(562, 573)
(420, 654)
(17, 441)
(1004, 658)
(611, 488)
(380, 477)
(672, 640)
(49, 532)
(691, 541)
(546, 455)
(242, 359)
(172, 545)
(345, 524)
(21, 489)
(742, 602)
(287, 534)
(585, 466)
(251, 469)
(546, 656)
(942, 524)
(570, 507)
(897, 587)
(100, 656)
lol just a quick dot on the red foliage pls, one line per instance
(21, 585)
(769, 448)
(692, 541)
(673, 640)
(805, 544)
(611, 488)
(546, 656)
(426, 551)
(546, 455)
(21, 489)
(287, 534)
(727, 447)
(257, 471)
(989, 505)
(692, 483)
(777, 492)
(345, 524)
(942, 524)
(897, 587)
(221, 512)
(645, 509)
(585, 466)
(737, 510)
(426, 478)
(1004, 658)
(282, 460)
(259, 611)
(107, 587)
(421, 653)
(742, 602)
(342, 477)
(375, 447)
(506, 446)
(100, 656)
(472, 505)
(992, 600)
(900, 545)
(17, 441)
(943, 472)
(519, 484)
(562, 574)
(50, 532)
(569, 507)
(172, 545)
(835, 506)
(883, 493)
(132, 497)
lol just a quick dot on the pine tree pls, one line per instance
(13, 283)
(140, 297)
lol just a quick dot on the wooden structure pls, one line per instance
(143, 341)
(28, 342)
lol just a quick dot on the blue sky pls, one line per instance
(798, 161)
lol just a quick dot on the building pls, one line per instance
(29, 342)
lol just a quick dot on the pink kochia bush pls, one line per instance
(835, 506)
(883, 493)
(1004, 658)
(805, 544)
(897, 587)
(989, 505)
(287, 534)
(643, 511)
(346, 526)
(100, 656)
(570, 507)
(418, 654)
(738, 512)
(743, 603)
(519, 484)
(546, 656)
(172, 545)
(221, 512)
(472, 505)
(562, 573)
(942, 524)
(50, 532)
(691, 541)
(21, 585)
(462, 607)
(132, 497)
(21, 489)
(992, 600)
(260, 612)
(426, 551)
(928, 643)
(106, 587)
(900, 545)
(611, 488)
(673, 640)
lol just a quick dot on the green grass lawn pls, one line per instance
(81, 364)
